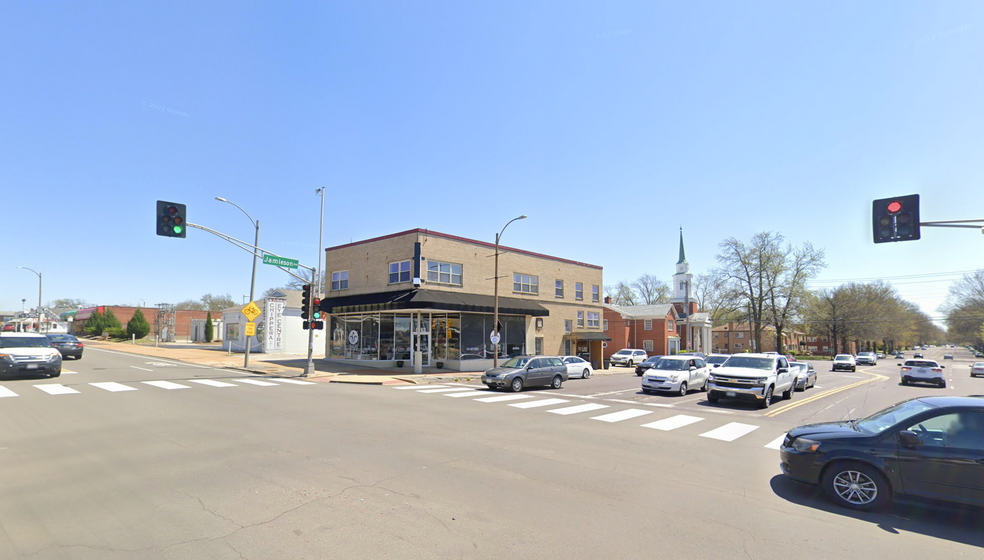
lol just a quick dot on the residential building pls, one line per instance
(421, 290)
(736, 337)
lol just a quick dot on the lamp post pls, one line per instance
(495, 315)
(39, 293)
(252, 281)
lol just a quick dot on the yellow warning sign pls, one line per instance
(251, 311)
(251, 329)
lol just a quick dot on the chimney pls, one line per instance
(608, 300)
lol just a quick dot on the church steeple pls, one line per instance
(682, 280)
(683, 255)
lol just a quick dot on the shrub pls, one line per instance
(209, 328)
(137, 325)
(117, 332)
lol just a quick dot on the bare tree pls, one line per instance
(747, 269)
(217, 303)
(964, 309)
(621, 294)
(651, 290)
(715, 298)
(793, 268)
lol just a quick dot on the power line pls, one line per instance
(903, 276)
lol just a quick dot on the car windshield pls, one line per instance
(24, 342)
(678, 365)
(881, 421)
(516, 363)
(843, 358)
(749, 362)
(717, 359)
(623, 353)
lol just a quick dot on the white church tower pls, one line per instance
(682, 280)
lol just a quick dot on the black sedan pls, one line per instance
(643, 367)
(924, 449)
(67, 345)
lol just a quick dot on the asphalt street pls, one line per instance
(137, 457)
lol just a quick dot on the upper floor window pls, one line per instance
(578, 291)
(604, 323)
(559, 288)
(444, 273)
(647, 324)
(339, 280)
(669, 325)
(595, 293)
(593, 320)
(524, 283)
(580, 319)
(567, 325)
(399, 272)
(739, 335)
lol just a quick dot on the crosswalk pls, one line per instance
(659, 419)
(114, 387)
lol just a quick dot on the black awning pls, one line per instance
(431, 299)
(591, 335)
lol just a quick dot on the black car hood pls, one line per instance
(829, 430)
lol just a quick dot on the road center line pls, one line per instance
(790, 406)
(141, 368)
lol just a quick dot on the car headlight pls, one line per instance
(54, 357)
(712, 378)
(675, 377)
(761, 379)
(804, 445)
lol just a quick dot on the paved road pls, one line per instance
(233, 469)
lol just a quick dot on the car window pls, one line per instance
(921, 363)
(639, 353)
(700, 363)
(517, 362)
(843, 357)
(555, 362)
(783, 363)
(533, 364)
(669, 364)
(958, 429)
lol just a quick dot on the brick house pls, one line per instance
(652, 328)
(733, 338)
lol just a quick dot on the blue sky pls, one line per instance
(609, 125)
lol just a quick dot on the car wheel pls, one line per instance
(712, 397)
(854, 369)
(638, 373)
(704, 387)
(787, 395)
(905, 381)
(629, 364)
(585, 374)
(57, 373)
(557, 382)
(768, 398)
(516, 385)
(490, 386)
(942, 384)
(856, 486)
(683, 388)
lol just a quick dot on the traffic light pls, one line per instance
(895, 219)
(317, 325)
(171, 219)
(306, 305)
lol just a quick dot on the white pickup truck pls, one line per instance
(752, 377)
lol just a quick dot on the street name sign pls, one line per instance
(251, 311)
(280, 261)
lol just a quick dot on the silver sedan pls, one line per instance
(806, 375)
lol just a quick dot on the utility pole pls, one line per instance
(309, 366)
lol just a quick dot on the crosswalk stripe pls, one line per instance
(416, 387)
(501, 398)
(472, 393)
(535, 404)
(5, 392)
(166, 385)
(776, 443)
(257, 382)
(56, 389)
(68, 372)
(730, 431)
(113, 387)
(673, 422)
(292, 381)
(579, 408)
(622, 415)
(447, 390)
(213, 383)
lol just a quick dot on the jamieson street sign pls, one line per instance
(279, 261)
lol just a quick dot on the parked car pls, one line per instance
(922, 371)
(866, 358)
(677, 374)
(844, 362)
(646, 364)
(715, 360)
(806, 375)
(577, 367)
(947, 356)
(628, 357)
(527, 371)
(67, 345)
(28, 353)
(977, 369)
(927, 448)
(752, 377)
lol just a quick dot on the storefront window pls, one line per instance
(386, 337)
(454, 336)
(337, 346)
(439, 336)
(353, 337)
(473, 338)
(370, 338)
(515, 336)
(401, 337)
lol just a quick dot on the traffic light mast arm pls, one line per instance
(954, 223)
(250, 248)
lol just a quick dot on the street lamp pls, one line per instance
(252, 281)
(495, 315)
(39, 293)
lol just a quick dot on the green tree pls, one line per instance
(209, 328)
(138, 325)
(94, 324)
(110, 321)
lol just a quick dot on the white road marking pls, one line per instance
(535, 404)
(730, 431)
(257, 382)
(637, 403)
(166, 385)
(502, 398)
(159, 364)
(622, 415)
(292, 381)
(213, 383)
(68, 372)
(673, 422)
(113, 387)
(776, 443)
(472, 393)
(141, 368)
(417, 387)
(614, 392)
(5, 392)
(446, 390)
(579, 408)
(56, 389)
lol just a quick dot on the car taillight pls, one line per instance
(78, 345)
(906, 368)
(937, 370)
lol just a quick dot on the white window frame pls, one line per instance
(595, 293)
(739, 335)
(399, 271)
(526, 283)
(594, 320)
(578, 291)
(647, 345)
(339, 280)
(580, 319)
(737, 346)
(647, 325)
(568, 325)
(604, 325)
(441, 272)
(559, 289)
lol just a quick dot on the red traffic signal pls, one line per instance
(895, 219)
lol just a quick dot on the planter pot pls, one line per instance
(399, 363)
(440, 365)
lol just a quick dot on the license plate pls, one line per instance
(32, 366)
(731, 394)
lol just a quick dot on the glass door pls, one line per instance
(422, 338)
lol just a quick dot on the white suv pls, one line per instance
(28, 353)
(628, 357)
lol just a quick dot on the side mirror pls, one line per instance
(909, 438)
(717, 365)
(782, 370)
(942, 367)
(693, 368)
